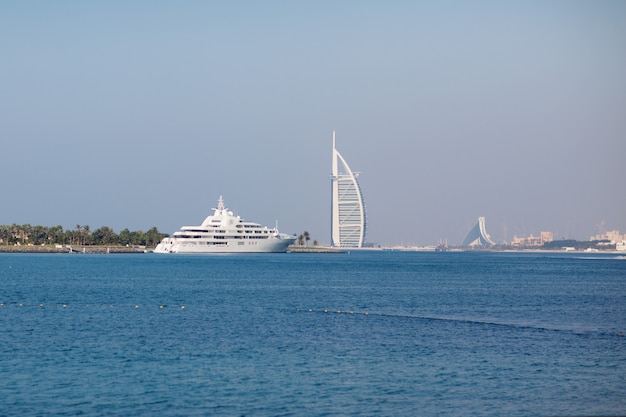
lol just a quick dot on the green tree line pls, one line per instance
(26, 234)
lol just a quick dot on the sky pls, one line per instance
(140, 114)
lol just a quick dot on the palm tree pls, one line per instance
(300, 240)
(68, 237)
(55, 234)
(153, 237)
(26, 231)
(125, 237)
(5, 233)
(85, 235)
(40, 234)
(103, 236)
(307, 237)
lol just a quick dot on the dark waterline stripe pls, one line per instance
(27, 306)
(461, 320)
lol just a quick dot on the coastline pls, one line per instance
(70, 249)
(314, 249)
(125, 249)
(292, 249)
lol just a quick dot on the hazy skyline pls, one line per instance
(140, 114)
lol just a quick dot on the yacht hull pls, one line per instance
(171, 245)
(223, 232)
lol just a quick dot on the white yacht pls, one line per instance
(223, 232)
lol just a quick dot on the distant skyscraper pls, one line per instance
(347, 207)
(478, 236)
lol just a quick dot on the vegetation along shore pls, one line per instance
(26, 235)
(26, 238)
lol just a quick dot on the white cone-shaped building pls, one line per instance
(348, 222)
(478, 236)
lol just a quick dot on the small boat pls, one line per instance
(223, 232)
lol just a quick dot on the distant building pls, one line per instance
(348, 220)
(613, 236)
(478, 236)
(531, 240)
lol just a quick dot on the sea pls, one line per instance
(359, 333)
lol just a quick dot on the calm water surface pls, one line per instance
(375, 333)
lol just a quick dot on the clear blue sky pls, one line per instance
(133, 114)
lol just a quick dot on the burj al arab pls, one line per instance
(348, 220)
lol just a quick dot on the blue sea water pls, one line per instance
(365, 333)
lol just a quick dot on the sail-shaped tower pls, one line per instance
(478, 236)
(348, 223)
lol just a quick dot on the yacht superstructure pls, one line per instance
(223, 232)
